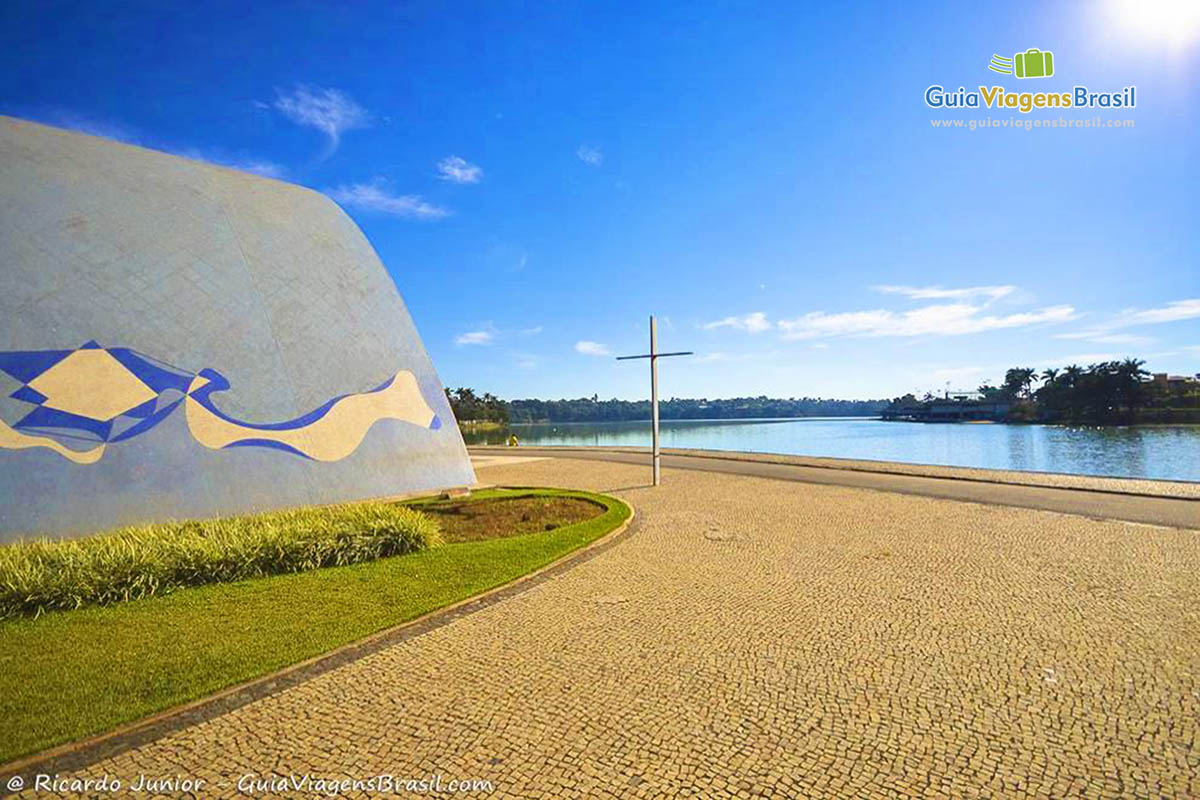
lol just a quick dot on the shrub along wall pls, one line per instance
(147, 560)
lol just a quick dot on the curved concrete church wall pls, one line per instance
(182, 340)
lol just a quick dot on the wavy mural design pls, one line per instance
(330, 433)
(11, 439)
(94, 396)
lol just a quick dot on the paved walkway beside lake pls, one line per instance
(1171, 503)
(758, 637)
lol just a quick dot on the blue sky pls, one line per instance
(766, 178)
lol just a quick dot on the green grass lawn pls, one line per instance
(71, 674)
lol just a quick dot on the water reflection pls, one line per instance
(1167, 451)
(1021, 452)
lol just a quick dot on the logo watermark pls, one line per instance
(1031, 63)
(936, 96)
(251, 783)
(1027, 124)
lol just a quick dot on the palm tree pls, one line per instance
(1129, 381)
(1049, 392)
(1132, 368)
(1018, 380)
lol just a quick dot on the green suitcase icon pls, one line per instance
(1034, 63)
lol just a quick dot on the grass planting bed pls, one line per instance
(520, 514)
(66, 675)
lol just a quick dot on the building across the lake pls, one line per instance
(1176, 382)
(949, 410)
(182, 340)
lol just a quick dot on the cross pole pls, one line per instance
(654, 356)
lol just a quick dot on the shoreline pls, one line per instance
(1014, 423)
(1154, 453)
(1147, 487)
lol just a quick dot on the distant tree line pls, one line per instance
(1106, 393)
(593, 409)
(468, 406)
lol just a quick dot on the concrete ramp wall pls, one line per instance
(182, 340)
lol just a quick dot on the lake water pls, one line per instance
(1165, 452)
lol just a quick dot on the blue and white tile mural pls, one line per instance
(80, 401)
(181, 340)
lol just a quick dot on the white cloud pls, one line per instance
(373, 197)
(1171, 312)
(268, 169)
(1106, 338)
(727, 358)
(258, 166)
(526, 361)
(959, 377)
(951, 319)
(591, 348)
(590, 155)
(459, 170)
(1075, 358)
(965, 377)
(91, 125)
(327, 110)
(938, 293)
(489, 334)
(122, 133)
(755, 322)
(1102, 331)
(474, 337)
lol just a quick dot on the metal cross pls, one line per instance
(654, 356)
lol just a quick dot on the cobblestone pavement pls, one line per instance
(760, 638)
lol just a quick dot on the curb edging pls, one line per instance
(77, 755)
